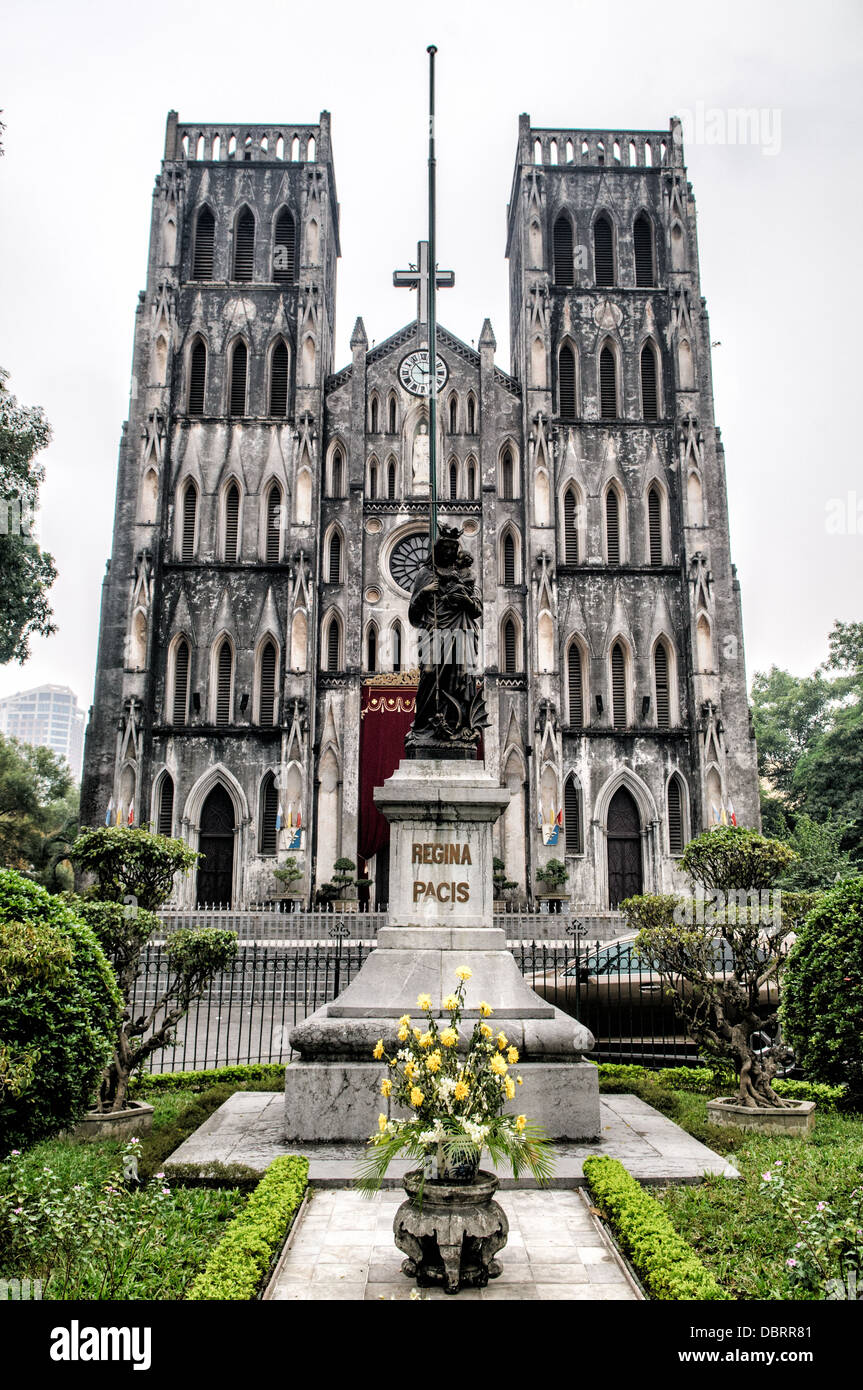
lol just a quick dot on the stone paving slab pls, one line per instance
(343, 1248)
(248, 1129)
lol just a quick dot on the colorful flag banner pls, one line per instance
(731, 815)
(550, 833)
(131, 816)
(295, 838)
(109, 814)
(279, 817)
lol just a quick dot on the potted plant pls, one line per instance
(501, 885)
(288, 875)
(554, 876)
(721, 957)
(452, 1091)
(135, 872)
(341, 894)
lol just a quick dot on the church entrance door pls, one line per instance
(624, 848)
(216, 844)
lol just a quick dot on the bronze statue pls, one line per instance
(450, 708)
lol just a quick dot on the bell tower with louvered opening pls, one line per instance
(625, 509)
(203, 722)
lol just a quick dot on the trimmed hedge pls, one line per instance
(702, 1081)
(668, 1268)
(242, 1259)
(151, 1083)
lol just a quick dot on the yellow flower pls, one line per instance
(486, 1010)
(502, 1040)
(463, 972)
(426, 1039)
(519, 1080)
(382, 1122)
(417, 1097)
(449, 1037)
(461, 1090)
(403, 1034)
(410, 1070)
(433, 1061)
(418, 1032)
(378, 1050)
(485, 1030)
(521, 1121)
(498, 1065)
(386, 1087)
(404, 1021)
(510, 1088)
(512, 1055)
(450, 1002)
(424, 1002)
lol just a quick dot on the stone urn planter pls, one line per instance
(345, 904)
(135, 1119)
(452, 1233)
(797, 1118)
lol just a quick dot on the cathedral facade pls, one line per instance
(256, 667)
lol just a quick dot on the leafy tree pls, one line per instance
(553, 875)
(820, 861)
(38, 813)
(58, 1013)
(343, 879)
(822, 1004)
(500, 883)
(288, 873)
(131, 864)
(26, 573)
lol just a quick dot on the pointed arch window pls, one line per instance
(274, 525)
(563, 251)
(244, 245)
(165, 812)
(391, 482)
(510, 648)
(373, 415)
(572, 816)
(649, 395)
(334, 560)
(205, 235)
(471, 415)
(239, 371)
(570, 527)
(654, 524)
(642, 237)
(267, 695)
(612, 526)
(603, 251)
(453, 480)
(453, 414)
(333, 644)
(391, 421)
(471, 481)
(618, 686)
(279, 363)
(372, 649)
(337, 474)
(224, 682)
(397, 646)
(190, 518)
(508, 560)
(268, 839)
(507, 472)
(607, 384)
(197, 376)
(676, 830)
(373, 480)
(566, 382)
(180, 692)
(663, 691)
(232, 523)
(575, 681)
(284, 249)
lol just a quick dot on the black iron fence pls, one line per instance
(247, 1013)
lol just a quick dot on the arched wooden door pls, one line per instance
(624, 848)
(216, 844)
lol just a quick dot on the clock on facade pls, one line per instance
(414, 372)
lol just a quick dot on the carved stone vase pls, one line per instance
(451, 1231)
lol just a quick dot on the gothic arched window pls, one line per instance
(284, 249)
(274, 525)
(268, 838)
(333, 645)
(649, 395)
(244, 245)
(197, 376)
(612, 526)
(510, 649)
(189, 537)
(224, 682)
(566, 382)
(575, 684)
(334, 562)
(471, 415)
(642, 237)
(654, 524)
(232, 523)
(391, 482)
(180, 692)
(676, 803)
(239, 371)
(205, 233)
(165, 812)
(563, 251)
(663, 692)
(572, 816)
(607, 384)
(618, 687)
(453, 480)
(453, 414)
(267, 688)
(603, 251)
(397, 646)
(279, 364)
(570, 527)
(337, 478)
(507, 475)
(508, 560)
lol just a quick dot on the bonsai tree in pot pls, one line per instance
(339, 891)
(554, 875)
(288, 874)
(501, 885)
(134, 871)
(721, 955)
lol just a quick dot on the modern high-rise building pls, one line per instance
(47, 717)
(256, 664)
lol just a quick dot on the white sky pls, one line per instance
(86, 89)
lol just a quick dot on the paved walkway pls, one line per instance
(248, 1129)
(343, 1248)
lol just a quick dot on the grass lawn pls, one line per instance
(736, 1229)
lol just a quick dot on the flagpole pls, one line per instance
(432, 287)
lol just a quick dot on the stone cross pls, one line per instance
(417, 278)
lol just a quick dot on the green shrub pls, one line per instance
(822, 998)
(241, 1261)
(668, 1268)
(154, 1083)
(59, 1009)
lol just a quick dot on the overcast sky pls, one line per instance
(86, 89)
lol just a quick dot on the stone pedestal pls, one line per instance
(440, 917)
(453, 1235)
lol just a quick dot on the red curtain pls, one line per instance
(386, 716)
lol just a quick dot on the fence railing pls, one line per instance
(320, 924)
(248, 1011)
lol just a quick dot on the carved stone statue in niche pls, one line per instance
(420, 459)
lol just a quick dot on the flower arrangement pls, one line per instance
(457, 1098)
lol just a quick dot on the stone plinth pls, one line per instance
(442, 816)
(451, 1232)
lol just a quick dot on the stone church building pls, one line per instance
(256, 667)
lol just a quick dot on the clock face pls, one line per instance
(414, 372)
